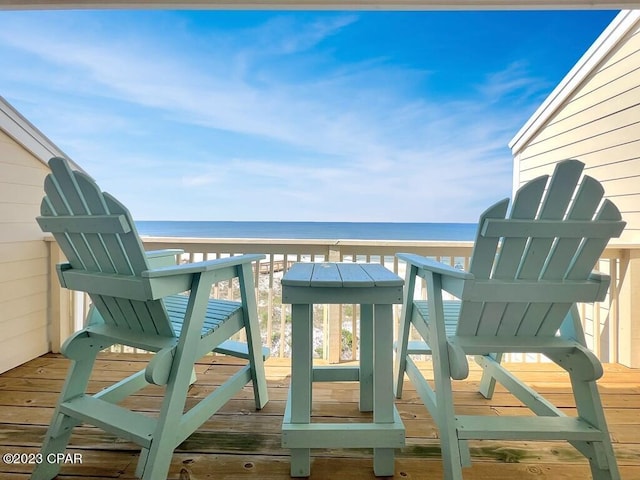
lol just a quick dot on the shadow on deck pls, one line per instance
(239, 442)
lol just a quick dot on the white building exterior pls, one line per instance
(25, 314)
(594, 116)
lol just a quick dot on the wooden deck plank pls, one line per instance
(238, 441)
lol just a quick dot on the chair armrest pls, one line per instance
(166, 252)
(597, 276)
(163, 258)
(199, 267)
(165, 281)
(433, 266)
(604, 280)
(154, 283)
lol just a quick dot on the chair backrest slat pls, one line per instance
(507, 316)
(95, 255)
(591, 248)
(485, 248)
(80, 255)
(554, 206)
(545, 318)
(525, 207)
(587, 199)
(481, 264)
(128, 247)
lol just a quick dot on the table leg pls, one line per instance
(301, 388)
(366, 358)
(383, 458)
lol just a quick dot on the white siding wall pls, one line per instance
(598, 124)
(23, 257)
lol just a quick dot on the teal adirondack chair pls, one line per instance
(138, 300)
(526, 274)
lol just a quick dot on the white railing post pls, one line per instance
(60, 310)
(629, 309)
(614, 311)
(332, 350)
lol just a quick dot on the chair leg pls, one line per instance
(451, 456)
(254, 340)
(403, 330)
(154, 463)
(445, 411)
(300, 462)
(601, 456)
(401, 356)
(256, 360)
(488, 382)
(56, 441)
(59, 432)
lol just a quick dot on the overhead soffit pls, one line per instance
(325, 4)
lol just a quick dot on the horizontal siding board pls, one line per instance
(15, 311)
(622, 80)
(626, 45)
(21, 348)
(630, 235)
(614, 97)
(22, 174)
(622, 152)
(23, 269)
(627, 203)
(5, 139)
(11, 193)
(587, 151)
(591, 113)
(12, 152)
(601, 133)
(23, 287)
(622, 186)
(616, 72)
(18, 232)
(19, 251)
(624, 59)
(616, 170)
(18, 212)
(632, 219)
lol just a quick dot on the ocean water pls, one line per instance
(310, 230)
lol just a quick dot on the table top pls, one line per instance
(348, 275)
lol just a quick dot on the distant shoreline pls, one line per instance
(309, 230)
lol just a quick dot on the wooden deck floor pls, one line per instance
(239, 442)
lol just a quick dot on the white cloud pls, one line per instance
(359, 142)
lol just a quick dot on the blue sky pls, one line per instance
(303, 116)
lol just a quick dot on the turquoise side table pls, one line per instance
(376, 289)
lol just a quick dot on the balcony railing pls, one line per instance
(336, 327)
